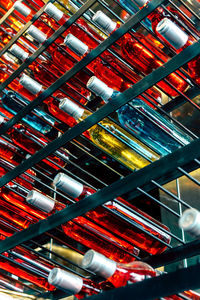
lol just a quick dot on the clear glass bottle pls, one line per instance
(122, 147)
(150, 126)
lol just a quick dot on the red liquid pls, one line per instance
(8, 3)
(132, 272)
(156, 17)
(17, 270)
(144, 61)
(21, 137)
(89, 288)
(129, 231)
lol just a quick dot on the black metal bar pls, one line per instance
(187, 250)
(156, 170)
(154, 288)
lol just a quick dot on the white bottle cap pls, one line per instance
(172, 33)
(21, 8)
(28, 83)
(190, 221)
(141, 3)
(19, 52)
(65, 280)
(53, 12)
(75, 45)
(1, 119)
(37, 34)
(68, 185)
(99, 264)
(71, 108)
(41, 201)
(104, 21)
(99, 88)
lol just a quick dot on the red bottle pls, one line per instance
(73, 284)
(85, 231)
(116, 274)
(35, 88)
(9, 3)
(26, 259)
(139, 56)
(103, 70)
(47, 73)
(131, 224)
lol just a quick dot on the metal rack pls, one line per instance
(125, 183)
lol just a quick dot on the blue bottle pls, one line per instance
(145, 123)
(13, 102)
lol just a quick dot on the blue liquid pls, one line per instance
(143, 127)
(12, 102)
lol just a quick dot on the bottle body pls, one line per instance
(13, 102)
(156, 138)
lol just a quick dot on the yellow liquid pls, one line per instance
(115, 147)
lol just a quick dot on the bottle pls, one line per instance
(134, 228)
(13, 103)
(9, 3)
(150, 127)
(140, 57)
(116, 274)
(124, 147)
(177, 39)
(31, 142)
(72, 284)
(78, 31)
(85, 231)
(30, 264)
(46, 73)
(190, 221)
(99, 67)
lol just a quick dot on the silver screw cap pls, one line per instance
(99, 264)
(21, 8)
(41, 201)
(99, 88)
(19, 52)
(104, 21)
(68, 185)
(172, 33)
(53, 12)
(30, 84)
(71, 108)
(190, 221)
(37, 34)
(65, 280)
(75, 45)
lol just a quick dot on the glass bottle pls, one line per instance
(26, 259)
(46, 73)
(116, 274)
(85, 231)
(103, 70)
(150, 126)
(13, 103)
(139, 56)
(31, 142)
(73, 284)
(124, 147)
(134, 229)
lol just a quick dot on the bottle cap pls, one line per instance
(53, 12)
(104, 21)
(37, 34)
(19, 52)
(99, 264)
(28, 83)
(68, 185)
(71, 108)
(172, 33)
(65, 280)
(1, 119)
(40, 201)
(21, 8)
(141, 3)
(75, 45)
(190, 221)
(99, 88)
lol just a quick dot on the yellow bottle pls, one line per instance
(121, 147)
